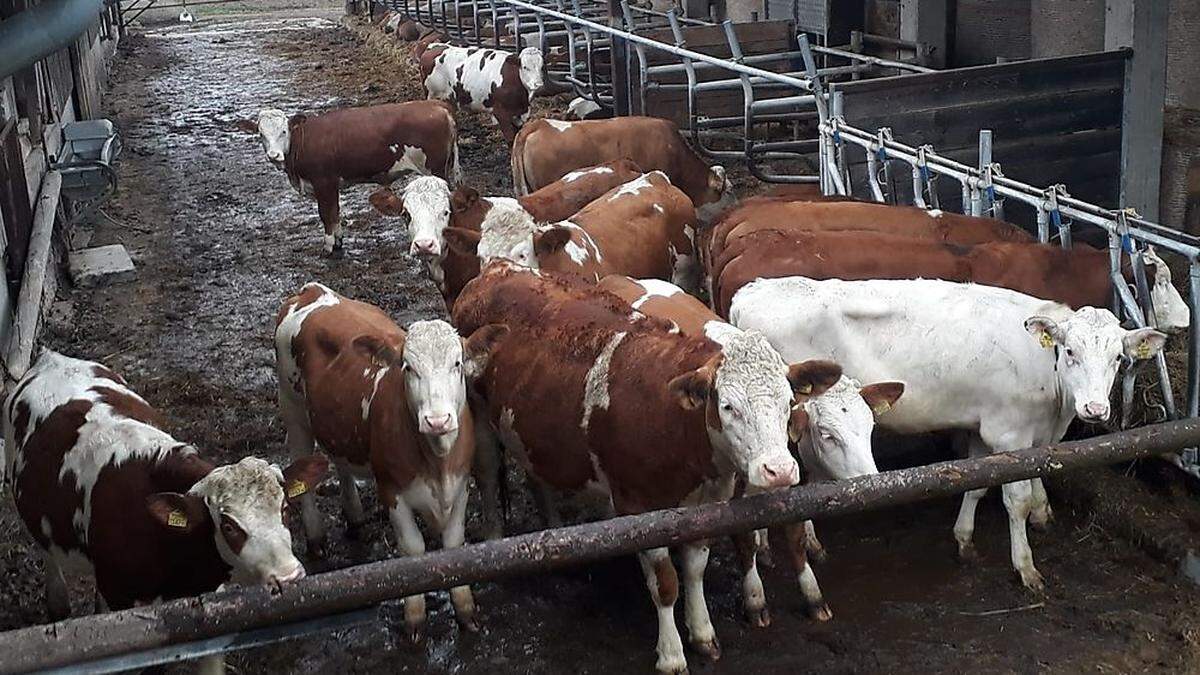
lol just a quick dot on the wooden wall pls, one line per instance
(1054, 120)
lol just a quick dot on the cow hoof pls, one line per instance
(711, 649)
(967, 553)
(416, 634)
(469, 624)
(759, 618)
(820, 612)
(672, 667)
(1032, 579)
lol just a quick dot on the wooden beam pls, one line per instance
(1140, 25)
(78, 641)
(33, 279)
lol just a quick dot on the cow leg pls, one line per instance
(488, 474)
(815, 549)
(300, 443)
(964, 525)
(214, 664)
(664, 589)
(545, 501)
(58, 598)
(328, 206)
(352, 507)
(1040, 515)
(809, 588)
(754, 598)
(764, 557)
(701, 633)
(508, 128)
(1018, 501)
(453, 536)
(410, 543)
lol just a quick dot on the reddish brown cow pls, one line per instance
(546, 150)
(375, 144)
(1077, 277)
(653, 418)
(642, 229)
(427, 200)
(101, 486)
(385, 403)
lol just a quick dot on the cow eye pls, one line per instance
(1070, 354)
(457, 364)
(727, 407)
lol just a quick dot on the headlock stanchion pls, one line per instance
(90, 641)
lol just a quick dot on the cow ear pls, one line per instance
(303, 475)
(811, 378)
(298, 118)
(797, 423)
(375, 350)
(463, 199)
(176, 512)
(1143, 343)
(462, 241)
(551, 240)
(881, 396)
(691, 388)
(1045, 330)
(477, 349)
(248, 126)
(387, 202)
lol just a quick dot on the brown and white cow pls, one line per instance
(102, 487)
(642, 229)
(651, 417)
(546, 150)
(485, 80)
(832, 433)
(386, 403)
(432, 207)
(1076, 277)
(427, 38)
(374, 144)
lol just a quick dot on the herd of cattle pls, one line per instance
(579, 347)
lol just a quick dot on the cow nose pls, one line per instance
(1096, 410)
(424, 247)
(295, 575)
(779, 473)
(275, 156)
(438, 424)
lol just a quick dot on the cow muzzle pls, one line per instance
(775, 473)
(276, 158)
(278, 580)
(1094, 411)
(424, 248)
(437, 425)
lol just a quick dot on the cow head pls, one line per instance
(437, 365)
(1170, 310)
(508, 233)
(426, 200)
(532, 69)
(718, 195)
(241, 507)
(1090, 346)
(833, 430)
(274, 130)
(746, 392)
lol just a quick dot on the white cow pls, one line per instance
(1012, 369)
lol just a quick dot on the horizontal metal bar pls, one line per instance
(873, 60)
(783, 103)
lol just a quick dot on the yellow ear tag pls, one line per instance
(881, 407)
(806, 389)
(177, 519)
(296, 488)
(1047, 341)
(1143, 350)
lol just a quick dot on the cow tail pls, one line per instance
(520, 184)
(455, 169)
(505, 495)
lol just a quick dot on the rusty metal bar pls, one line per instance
(82, 640)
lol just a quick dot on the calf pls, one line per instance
(642, 228)
(832, 431)
(652, 418)
(432, 207)
(484, 80)
(388, 403)
(546, 150)
(424, 40)
(1010, 369)
(1077, 277)
(102, 488)
(375, 144)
